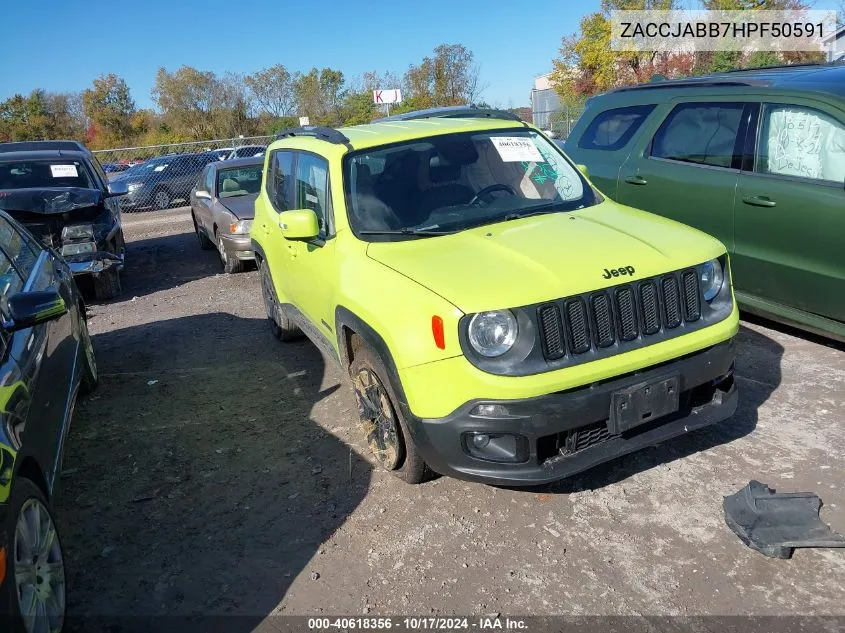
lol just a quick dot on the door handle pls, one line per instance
(636, 180)
(759, 201)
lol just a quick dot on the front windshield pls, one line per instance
(43, 174)
(152, 165)
(453, 182)
(241, 181)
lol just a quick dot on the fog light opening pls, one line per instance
(480, 440)
(496, 447)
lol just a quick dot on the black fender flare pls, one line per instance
(345, 320)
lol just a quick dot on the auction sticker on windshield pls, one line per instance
(515, 149)
(64, 171)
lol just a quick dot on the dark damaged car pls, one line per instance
(59, 191)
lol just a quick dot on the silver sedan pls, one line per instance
(222, 207)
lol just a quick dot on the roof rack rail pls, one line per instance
(328, 134)
(683, 83)
(40, 146)
(452, 112)
(781, 66)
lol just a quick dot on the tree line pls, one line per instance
(587, 65)
(194, 104)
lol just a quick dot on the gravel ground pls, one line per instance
(219, 471)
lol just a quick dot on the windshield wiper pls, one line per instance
(405, 231)
(516, 215)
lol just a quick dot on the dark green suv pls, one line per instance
(755, 158)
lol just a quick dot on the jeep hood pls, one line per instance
(49, 200)
(521, 262)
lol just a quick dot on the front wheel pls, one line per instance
(107, 284)
(90, 378)
(162, 199)
(230, 264)
(35, 578)
(381, 419)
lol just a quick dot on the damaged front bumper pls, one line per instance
(238, 246)
(543, 439)
(94, 263)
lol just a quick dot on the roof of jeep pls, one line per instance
(387, 132)
(826, 78)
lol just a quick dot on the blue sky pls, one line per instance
(67, 44)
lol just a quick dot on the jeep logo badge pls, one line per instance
(616, 272)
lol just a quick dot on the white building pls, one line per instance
(544, 101)
(834, 45)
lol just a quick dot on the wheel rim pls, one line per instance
(222, 250)
(162, 200)
(88, 346)
(377, 418)
(39, 569)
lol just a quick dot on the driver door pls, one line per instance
(311, 263)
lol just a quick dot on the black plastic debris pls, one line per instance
(775, 523)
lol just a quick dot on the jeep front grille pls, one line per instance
(619, 315)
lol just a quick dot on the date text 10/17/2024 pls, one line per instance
(483, 623)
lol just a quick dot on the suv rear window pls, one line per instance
(612, 129)
(702, 133)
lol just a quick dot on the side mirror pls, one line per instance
(583, 169)
(27, 309)
(299, 224)
(118, 188)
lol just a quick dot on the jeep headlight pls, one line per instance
(711, 277)
(492, 333)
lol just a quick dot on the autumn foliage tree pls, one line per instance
(587, 65)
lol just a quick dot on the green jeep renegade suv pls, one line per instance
(500, 318)
(755, 158)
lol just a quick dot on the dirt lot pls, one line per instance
(217, 470)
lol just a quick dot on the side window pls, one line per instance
(18, 248)
(612, 129)
(701, 133)
(802, 142)
(279, 180)
(312, 180)
(98, 168)
(10, 282)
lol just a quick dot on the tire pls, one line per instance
(205, 243)
(27, 502)
(385, 429)
(90, 378)
(281, 324)
(107, 285)
(230, 265)
(162, 199)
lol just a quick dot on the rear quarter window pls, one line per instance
(612, 129)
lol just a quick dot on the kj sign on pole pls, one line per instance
(387, 97)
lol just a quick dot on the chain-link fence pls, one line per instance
(162, 176)
(557, 123)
